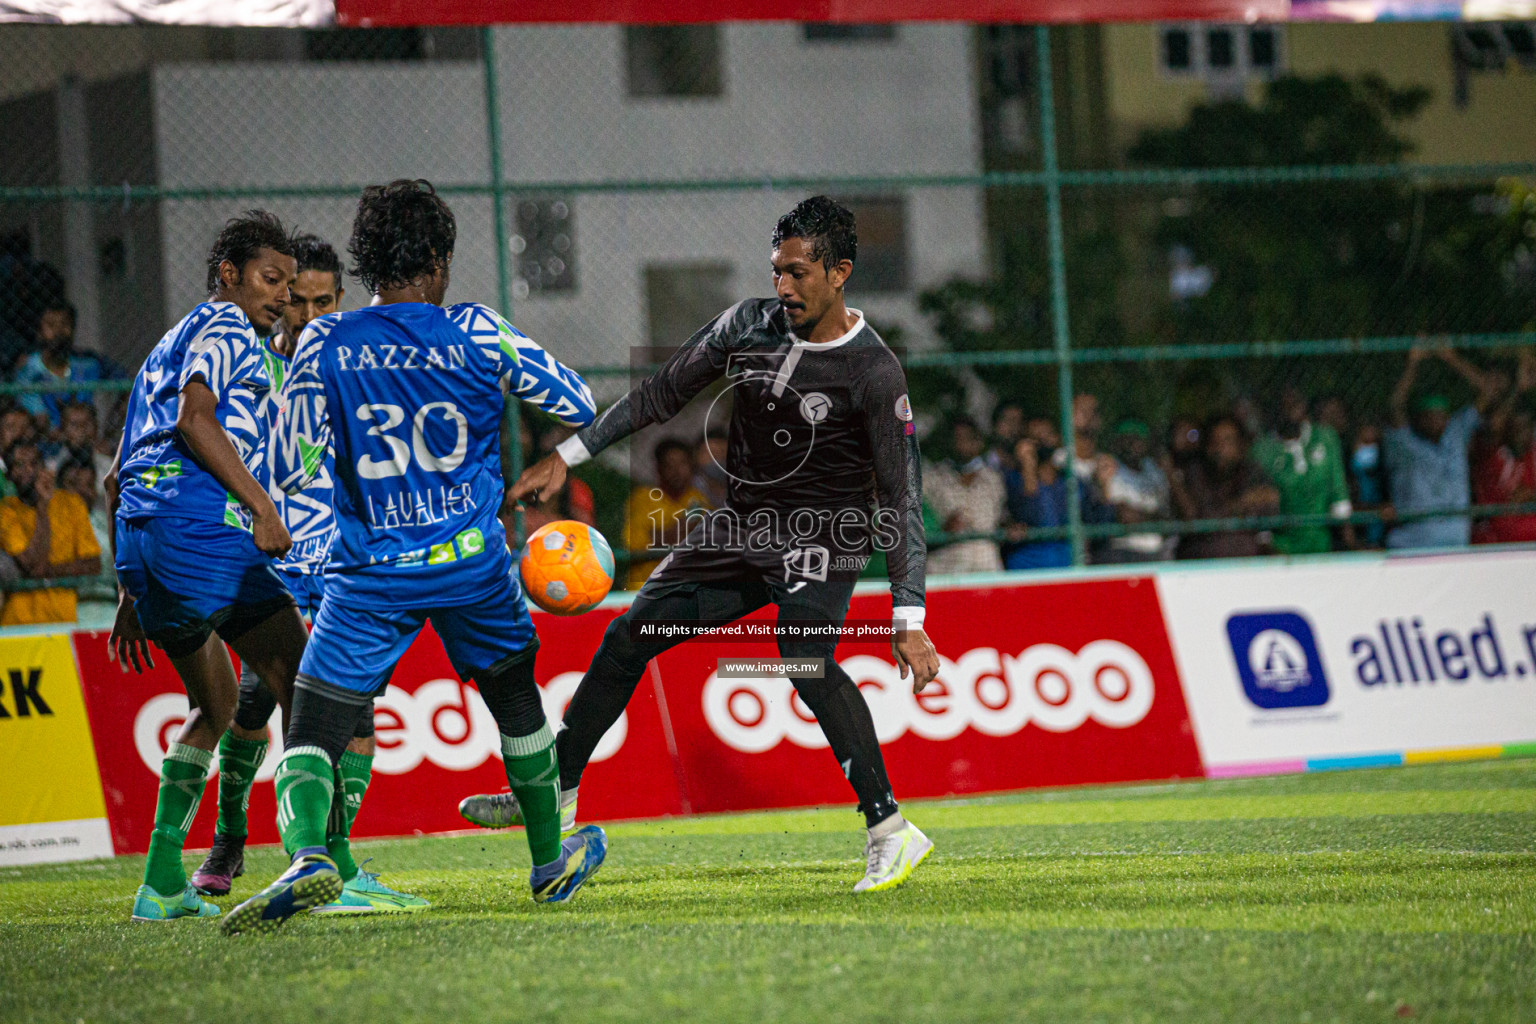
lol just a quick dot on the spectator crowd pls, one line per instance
(999, 499)
(1314, 461)
(54, 452)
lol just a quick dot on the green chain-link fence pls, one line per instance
(615, 188)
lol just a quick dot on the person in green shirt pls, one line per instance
(1305, 460)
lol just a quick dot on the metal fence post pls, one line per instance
(512, 455)
(1061, 332)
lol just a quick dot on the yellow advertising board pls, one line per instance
(51, 806)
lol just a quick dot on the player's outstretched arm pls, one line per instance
(524, 368)
(655, 400)
(693, 367)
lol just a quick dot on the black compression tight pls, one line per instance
(839, 708)
(513, 697)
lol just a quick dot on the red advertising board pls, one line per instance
(436, 742)
(1039, 686)
(1043, 685)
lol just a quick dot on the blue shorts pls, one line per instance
(353, 650)
(189, 577)
(307, 589)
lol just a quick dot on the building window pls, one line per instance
(1221, 54)
(1263, 50)
(1487, 46)
(673, 60)
(544, 242)
(1220, 51)
(826, 32)
(881, 223)
(679, 299)
(1178, 51)
(1520, 37)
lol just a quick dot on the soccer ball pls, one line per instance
(567, 567)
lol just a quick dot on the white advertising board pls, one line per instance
(1291, 667)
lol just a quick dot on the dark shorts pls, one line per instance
(709, 555)
(720, 586)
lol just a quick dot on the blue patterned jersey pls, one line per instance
(408, 400)
(216, 344)
(309, 514)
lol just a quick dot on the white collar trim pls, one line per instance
(858, 326)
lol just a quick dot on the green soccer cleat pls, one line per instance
(149, 905)
(365, 894)
(501, 810)
(892, 859)
(310, 881)
(583, 853)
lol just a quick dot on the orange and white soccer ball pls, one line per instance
(567, 567)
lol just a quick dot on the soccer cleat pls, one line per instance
(149, 905)
(310, 881)
(584, 854)
(224, 863)
(365, 894)
(501, 810)
(891, 859)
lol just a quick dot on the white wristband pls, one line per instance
(910, 617)
(573, 451)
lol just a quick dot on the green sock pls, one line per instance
(534, 774)
(182, 776)
(305, 784)
(238, 761)
(352, 775)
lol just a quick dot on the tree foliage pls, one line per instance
(1333, 256)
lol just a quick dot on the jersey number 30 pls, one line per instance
(385, 418)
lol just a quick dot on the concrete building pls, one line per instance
(597, 272)
(600, 126)
(1478, 76)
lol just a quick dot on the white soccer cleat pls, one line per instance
(890, 860)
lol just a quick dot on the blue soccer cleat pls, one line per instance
(310, 881)
(584, 852)
(149, 905)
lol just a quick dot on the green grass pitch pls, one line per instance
(1358, 896)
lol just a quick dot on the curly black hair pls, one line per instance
(403, 231)
(827, 227)
(242, 238)
(314, 253)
